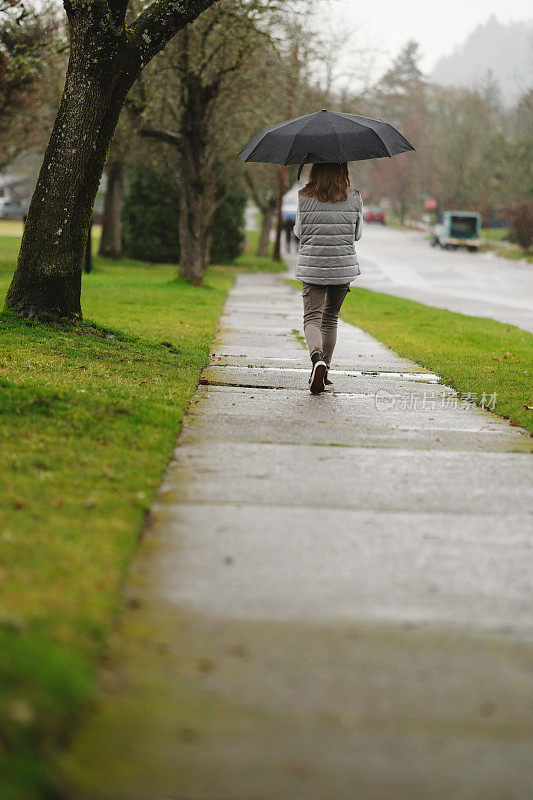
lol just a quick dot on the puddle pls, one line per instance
(426, 377)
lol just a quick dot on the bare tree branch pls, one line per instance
(161, 134)
(161, 21)
(255, 194)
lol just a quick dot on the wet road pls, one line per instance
(480, 284)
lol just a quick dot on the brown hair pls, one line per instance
(328, 183)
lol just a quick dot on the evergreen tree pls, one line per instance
(150, 216)
(227, 230)
(400, 97)
(150, 219)
(401, 91)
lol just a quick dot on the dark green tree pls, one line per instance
(150, 216)
(150, 219)
(401, 91)
(401, 98)
(521, 155)
(227, 228)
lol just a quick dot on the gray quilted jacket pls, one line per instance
(327, 232)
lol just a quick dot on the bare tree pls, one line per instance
(119, 161)
(207, 70)
(262, 182)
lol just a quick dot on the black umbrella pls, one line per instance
(325, 137)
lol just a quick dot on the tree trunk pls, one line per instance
(198, 201)
(267, 217)
(198, 189)
(196, 216)
(403, 212)
(48, 274)
(111, 239)
(105, 59)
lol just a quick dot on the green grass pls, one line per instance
(252, 243)
(88, 419)
(471, 354)
(393, 222)
(503, 251)
(249, 259)
(494, 234)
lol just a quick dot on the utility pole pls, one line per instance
(284, 171)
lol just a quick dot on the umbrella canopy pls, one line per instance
(325, 137)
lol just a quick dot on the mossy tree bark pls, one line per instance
(48, 276)
(105, 59)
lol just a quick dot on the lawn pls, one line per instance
(504, 250)
(253, 243)
(494, 240)
(88, 418)
(494, 234)
(472, 354)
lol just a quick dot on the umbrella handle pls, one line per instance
(300, 168)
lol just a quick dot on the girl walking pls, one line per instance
(329, 220)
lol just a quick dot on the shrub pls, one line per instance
(150, 216)
(521, 215)
(150, 219)
(227, 230)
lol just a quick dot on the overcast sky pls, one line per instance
(438, 26)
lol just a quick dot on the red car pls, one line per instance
(374, 214)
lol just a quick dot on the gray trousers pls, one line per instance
(322, 304)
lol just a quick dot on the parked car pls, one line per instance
(457, 229)
(374, 214)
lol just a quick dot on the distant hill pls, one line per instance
(504, 49)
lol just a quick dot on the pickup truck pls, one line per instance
(457, 229)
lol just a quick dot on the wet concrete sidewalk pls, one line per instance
(334, 599)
